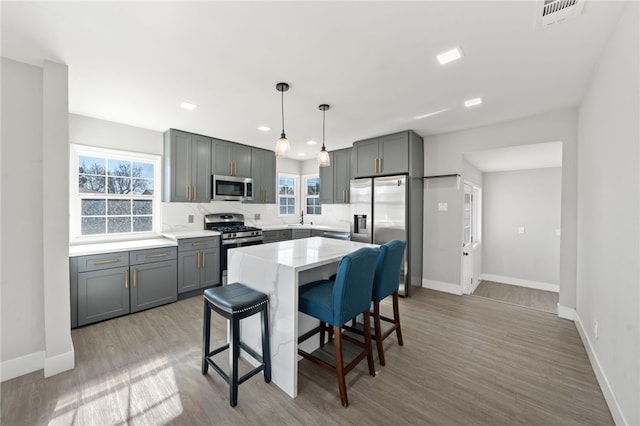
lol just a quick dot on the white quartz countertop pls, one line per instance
(196, 233)
(305, 253)
(110, 247)
(336, 228)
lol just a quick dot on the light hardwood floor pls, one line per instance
(466, 361)
(541, 300)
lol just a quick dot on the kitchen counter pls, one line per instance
(196, 233)
(337, 228)
(117, 246)
(277, 269)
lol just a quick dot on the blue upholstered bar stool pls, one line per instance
(235, 302)
(386, 283)
(336, 302)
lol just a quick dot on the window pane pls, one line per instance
(142, 207)
(119, 168)
(88, 184)
(92, 207)
(291, 201)
(142, 187)
(91, 165)
(313, 186)
(141, 224)
(118, 207)
(119, 185)
(143, 170)
(283, 209)
(92, 225)
(118, 224)
(290, 209)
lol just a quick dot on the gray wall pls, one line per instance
(444, 155)
(529, 199)
(608, 219)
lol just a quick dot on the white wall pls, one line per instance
(443, 154)
(529, 199)
(36, 331)
(608, 220)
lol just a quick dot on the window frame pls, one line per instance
(75, 196)
(305, 196)
(296, 192)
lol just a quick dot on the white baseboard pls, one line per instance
(566, 313)
(59, 363)
(521, 283)
(607, 391)
(442, 286)
(22, 365)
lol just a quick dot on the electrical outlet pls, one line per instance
(190, 218)
(256, 216)
(521, 230)
(595, 329)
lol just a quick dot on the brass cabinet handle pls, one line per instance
(199, 243)
(102, 262)
(135, 278)
(150, 256)
(189, 192)
(203, 259)
(126, 278)
(195, 192)
(197, 260)
(380, 162)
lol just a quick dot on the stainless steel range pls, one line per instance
(234, 234)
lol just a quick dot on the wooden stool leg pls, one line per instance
(396, 318)
(342, 386)
(266, 352)
(235, 354)
(206, 332)
(378, 329)
(367, 342)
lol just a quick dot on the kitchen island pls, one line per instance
(277, 269)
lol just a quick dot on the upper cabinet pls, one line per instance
(187, 167)
(398, 153)
(335, 179)
(231, 159)
(263, 172)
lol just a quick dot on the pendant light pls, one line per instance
(282, 146)
(323, 156)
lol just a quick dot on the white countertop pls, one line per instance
(110, 247)
(305, 253)
(336, 228)
(196, 233)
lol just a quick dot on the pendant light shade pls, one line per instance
(282, 145)
(323, 156)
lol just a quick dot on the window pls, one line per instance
(287, 190)
(312, 194)
(471, 215)
(112, 192)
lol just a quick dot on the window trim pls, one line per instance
(296, 193)
(77, 150)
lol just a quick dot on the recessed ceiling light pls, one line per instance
(264, 128)
(311, 142)
(450, 55)
(301, 154)
(188, 106)
(473, 102)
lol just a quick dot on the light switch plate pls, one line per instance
(443, 207)
(520, 229)
(190, 218)
(256, 216)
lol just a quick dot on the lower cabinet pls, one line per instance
(300, 233)
(109, 285)
(276, 235)
(198, 263)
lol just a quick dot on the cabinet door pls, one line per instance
(153, 284)
(210, 267)
(188, 271)
(270, 236)
(300, 233)
(394, 151)
(177, 167)
(326, 181)
(102, 294)
(201, 169)
(364, 155)
(342, 176)
(241, 157)
(221, 157)
(269, 177)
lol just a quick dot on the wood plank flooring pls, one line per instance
(541, 300)
(466, 361)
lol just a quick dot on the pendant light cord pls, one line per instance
(323, 113)
(282, 105)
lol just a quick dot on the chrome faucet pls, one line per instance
(302, 217)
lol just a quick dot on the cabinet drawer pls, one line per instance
(198, 243)
(96, 262)
(152, 255)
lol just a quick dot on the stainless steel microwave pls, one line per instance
(231, 188)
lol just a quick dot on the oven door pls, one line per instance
(224, 249)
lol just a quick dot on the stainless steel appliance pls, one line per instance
(234, 234)
(231, 188)
(387, 208)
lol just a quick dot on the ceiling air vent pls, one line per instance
(554, 11)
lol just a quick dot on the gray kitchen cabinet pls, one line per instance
(198, 263)
(398, 153)
(317, 233)
(187, 167)
(102, 294)
(230, 158)
(335, 179)
(297, 234)
(152, 275)
(263, 172)
(276, 235)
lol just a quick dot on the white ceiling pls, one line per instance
(373, 62)
(521, 157)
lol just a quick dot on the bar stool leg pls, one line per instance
(235, 355)
(206, 327)
(266, 352)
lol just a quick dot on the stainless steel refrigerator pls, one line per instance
(387, 208)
